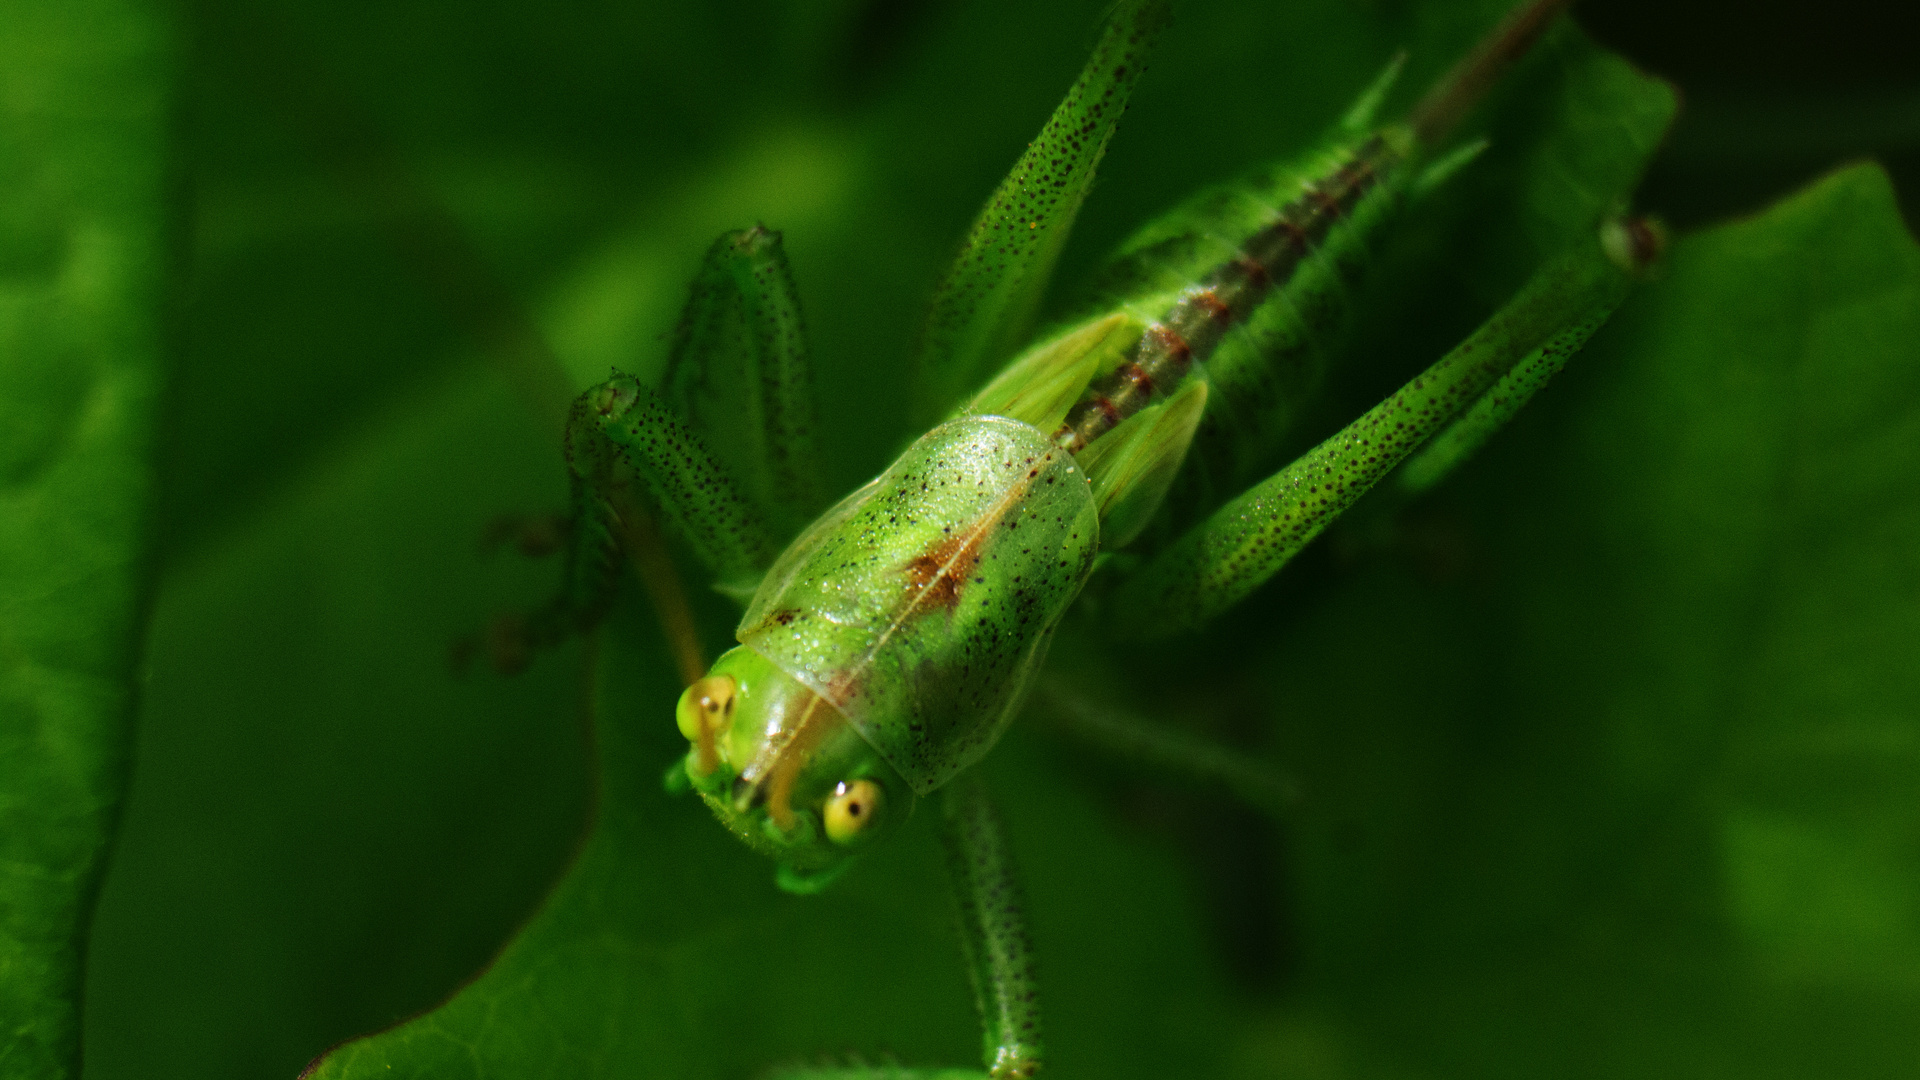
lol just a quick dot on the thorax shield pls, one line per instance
(922, 605)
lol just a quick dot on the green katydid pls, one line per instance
(890, 641)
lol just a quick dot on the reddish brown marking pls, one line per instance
(1216, 309)
(1170, 342)
(1327, 203)
(1256, 274)
(1106, 407)
(940, 572)
(1138, 376)
(1294, 232)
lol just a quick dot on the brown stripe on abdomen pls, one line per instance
(1193, 327)
(1159, 360)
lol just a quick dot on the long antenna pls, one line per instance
(1451, 98)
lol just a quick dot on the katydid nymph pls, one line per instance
(889, 639)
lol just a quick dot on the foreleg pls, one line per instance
(739, 373)
(627, 451)
(730, 464)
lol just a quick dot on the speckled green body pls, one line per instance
(922, 605)
(1267, 361)
(916, 612)
(890, 644)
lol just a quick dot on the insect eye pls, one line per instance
(706, 706)
(854, 807)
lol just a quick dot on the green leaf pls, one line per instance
(1635, 794)
(667, 949)
(327, 829)
(327, 834)
(83, 256)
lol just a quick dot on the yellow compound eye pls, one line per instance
(854, 807)
(705, 710)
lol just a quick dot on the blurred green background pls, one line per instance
(1611, 768)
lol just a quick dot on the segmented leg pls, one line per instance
(993, 935)
(1170, 749)
(1249, 539)
(993, 929)
(739, 377)
(981, 310)
(739, 374)
(1627, 241)
(621, 437)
